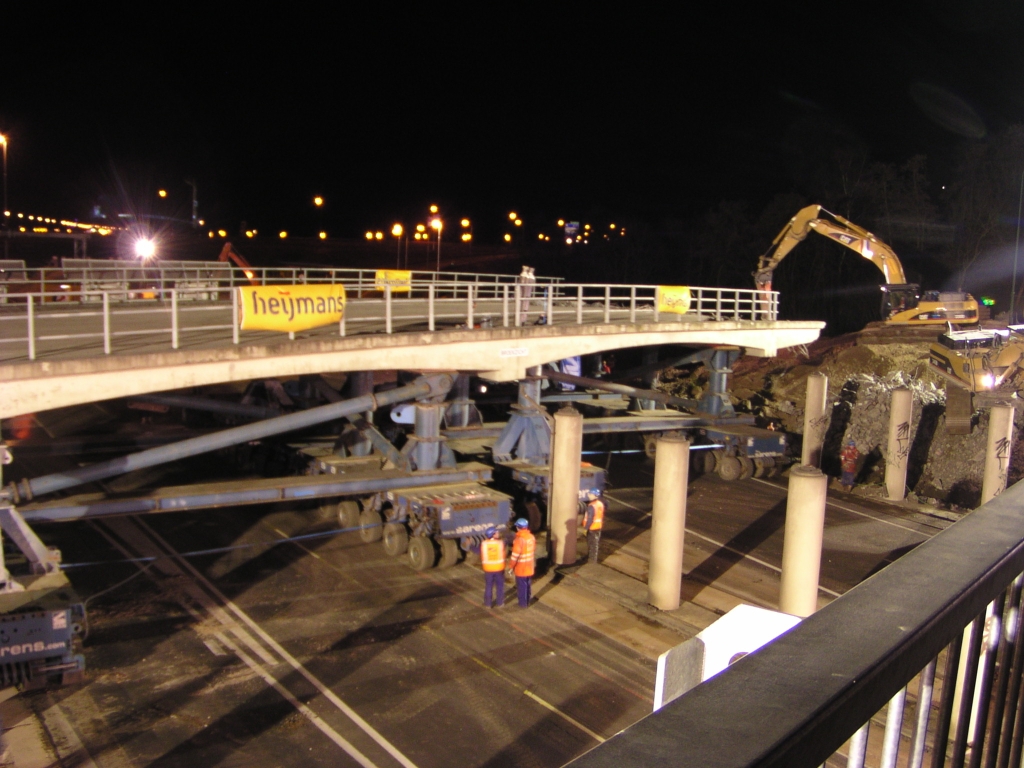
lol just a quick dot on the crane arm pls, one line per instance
(836, 228)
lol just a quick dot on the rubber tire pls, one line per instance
(422, 553)
(715, 462)
(348, 514)
(450, 553)
(729, 468)
(396, 539)
(533, 515)
(746, 468)
(372, 526)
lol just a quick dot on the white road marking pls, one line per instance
(146, 540)
(720, 544)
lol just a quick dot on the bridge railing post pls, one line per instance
(234, 316)
(579, 305)
(504, 306)
(519, 305)
(550, 313)
(32, 327)
(106, 322)
(174, 319)
(430, 306)
(718, 304)
(607, 303)
(470, 290)
(387, 309)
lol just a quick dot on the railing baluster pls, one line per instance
(387, 309)
(550, 309)
(1008, 698)
(994, 621)
(607, 303)
(519, 305)
(234, 316)
(893, 725)
(579, 305)
(925, 689)
(967, 685)
(858, 747)
(469, 307)
(504, 306)
(632, 303)
(32, 327)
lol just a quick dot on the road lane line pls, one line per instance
(279, 649)
(517, 684)
(726, 547)
(301, 708)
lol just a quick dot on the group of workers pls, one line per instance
(496, 563)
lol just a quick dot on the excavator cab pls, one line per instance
(899, 297)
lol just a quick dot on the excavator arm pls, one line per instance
(834, 227)
(228, 253)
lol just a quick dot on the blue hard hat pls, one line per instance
(491, 532)
(522, 523)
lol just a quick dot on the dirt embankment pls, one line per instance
(943, 467)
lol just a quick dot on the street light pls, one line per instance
(397, 231)
(318, 201)
(7, 210)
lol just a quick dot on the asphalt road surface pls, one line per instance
(272, 650)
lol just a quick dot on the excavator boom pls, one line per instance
(228, 253)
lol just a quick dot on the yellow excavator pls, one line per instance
(902, 302)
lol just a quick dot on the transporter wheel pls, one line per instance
(651, 444)
(449, 553)
(533, 515)
(396, 539)
(729, 468)
(746, 468)
(371, 525)
(714, 460)
(763, 467)
(348, 514)
(422, 554)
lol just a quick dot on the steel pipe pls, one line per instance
(622, 389)
(431, 386)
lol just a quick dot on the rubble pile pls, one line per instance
(943, 468)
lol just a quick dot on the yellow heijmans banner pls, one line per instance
(674, 299)
(289, 307)
(400, 280)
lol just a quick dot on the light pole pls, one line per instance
(435, 223)
(195, 204)
(3, 143)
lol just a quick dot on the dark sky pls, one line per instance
(585, 111)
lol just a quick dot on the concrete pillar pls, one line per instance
(900, 417)
(815, 420)
(565, 485)
(668, 522)
(801, 547)
(362, 384)
(997, 454)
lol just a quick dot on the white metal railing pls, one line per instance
(78, 322)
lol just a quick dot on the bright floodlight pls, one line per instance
(145, 248)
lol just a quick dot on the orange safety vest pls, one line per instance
(595, 511)
(523, 548)
(492, 555)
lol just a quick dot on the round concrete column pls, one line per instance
(900, 416)
(997, 455)
(668, 524)
(801, 547)
(815, 421)
(565, 485)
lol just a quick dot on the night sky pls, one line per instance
(587, 111)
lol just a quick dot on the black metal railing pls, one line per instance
(934, 640)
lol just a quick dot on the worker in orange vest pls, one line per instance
(593, 521)
(522, 561)
(492, 558)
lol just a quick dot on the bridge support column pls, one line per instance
(668, 524)
(801, 547)
(997, 454)
(565, 486)
(815, 421)
(362, 384)
(900, 416)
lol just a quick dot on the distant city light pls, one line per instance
(282, 234)
(513, 216)
(249, 233)
(435, 223)
(547, 239)
(379, 235)
(466, 237)
(568, 241)
(611, 226)
(508, 238)
(418, 236)
(397, 230)
(420, 228)
(433, 209)
(222, 233)
(561, 222)
(586, 226)
(540, 236)
(465, 222)
(369, 235)
(318, 201)
(162, 192)
(210, 233)
(323, 235)
(202, 223)
(519, 222)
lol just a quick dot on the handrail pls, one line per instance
(797, 700)
(68, 317)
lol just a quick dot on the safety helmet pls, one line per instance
(522, 523)
(491, 532)
(851, 441)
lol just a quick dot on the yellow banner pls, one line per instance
(674, 299)
(400, 280)
(289, 307)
